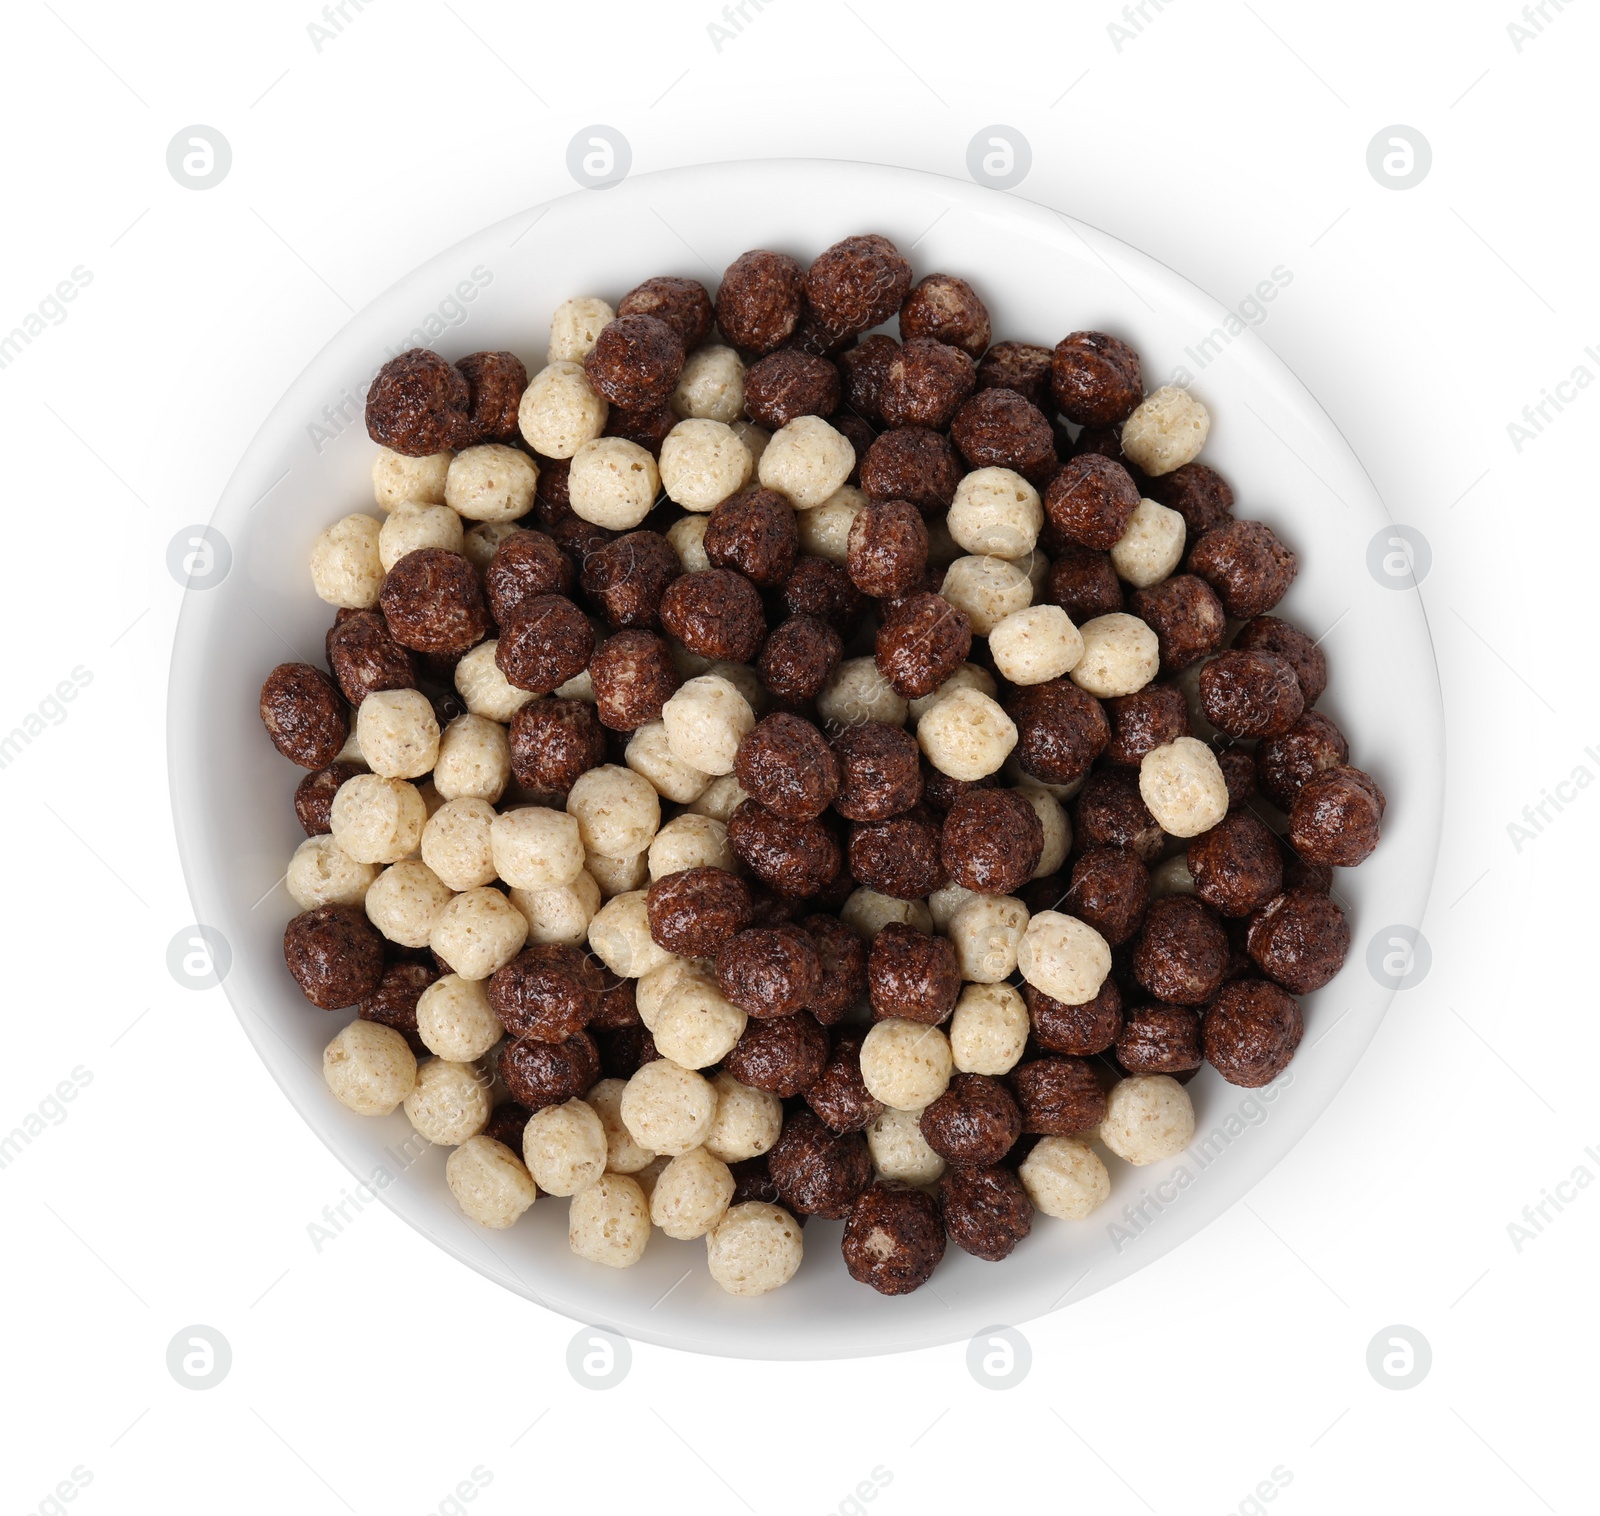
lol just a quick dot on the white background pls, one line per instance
(376, 1374)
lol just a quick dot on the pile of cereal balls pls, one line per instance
(767, 770)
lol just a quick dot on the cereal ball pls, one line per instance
(1251, 1031)
(633, 677)
(322, 873)
(899, 1151)
(898, 857)
(398, 734)
(1246, 564)
(1151, 547)
(507, 1121)
(1167, 430)
(403, 902)
(377, 820)
(484, 689)
(609, 1221)
(687, 842)
(924, 383)
(411, 526)
(1199, 494)
(999, 429)
(806, 462)
(648, 428)
(842, 980)
(702, 463)
(824, 590)
(618, 876)
(574, 327)
(1083, 1029)
(619, 933)
(717, 614)
(560, 915)
(547, 992)
(867, 913)
(888, 549)
(996, 511)
(623, 1154)
(1036, 644)
(1182, 784)
(535, 848)
(914, 464)
(1269, 634)
(303, 715)
(986, 590)
(967, 735)
(905, 1064)
(1236, 866)
(1110, 888)
(754, 533)
(455, 1020)
(539, 1074)
(691, 1195)
(975, 1121)
(1250, 694)
(491, 482)
(1146, 719)
(1110, 812)
(1160, 1039)
(1186, 617)
(879, 772)
(1181, 953)
(706, 721)
(369, 1068)
(991, 841)
(786, 764)
(839, 1095)
(565, 1147)
(649, 753)
(1286, 761)
(769, 971)
(449, 1103)
(1064, 1177)
(554, 743)
(365, 658)
(635, 362)
(474, 760)
(559, 412)
(985, 1210)
(613, 482)
(695, 911)
(628, 577)
(760, 300)
(711, 387)
(755, 1247)
(394, 1003)
(1120, 655)
(1058, 1097)
(912, 975)
(495, 382)
(1171, 878)
(818, 1172)
(1335, 817)
(1095, 378)
(617, 811)
(433, 603)
(1020, 366)
(1052, 822)
(747, 1121)
(417, 405)
(949, 310)
(782, 1055)
(857, 284)
(1064, 957)
(687, 537)
(857, 692)
(1148, 1118)
(790, 383)
(795, 858)
(477, 932)
(397, 478)
(1091, 501)
(1060, 730)
(864, 369)
(525, 566)
(668, 1109)
(989, 1029)
(1300, 939)
(682, 303)
(825, 531)
(894, 1238)
(1083, 583)
(489, 1182)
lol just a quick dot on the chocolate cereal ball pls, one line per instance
(1058, 1096)
(1236, 866)
(313, 797)
(547, 992)
(899, 857)
(626, 578)
(986, 1210)
(786, 764)
(1186, 617)
(888, 549)
(537, 1074)
(946, 309)
(1160, 1039)
(760, 300)
(769, 971)
(1250, 1032)
(682, 303)
(783, 1055)
(921, 643)
(1150, 718)
(1061, 730)
(798, 658)
(975, 1121)
(495, 382)
(1300, 939)
(633, 676)
(1079, 1029)
(1335, 817)
(549, 642)
(635, 362)
(1109, 811)
(843, 957)
(912, 975)
(1084, 584)
(818, 1172)
(795, 858)
(433, 603)
(925, 383)
(647, 428)
(1091, 500)
(418, 405)
(863, 369)
(553, 742)
(1270, 634)
(894, 1238)
(335, 955)
(839, 1096)
(1286, 761)
(1250, 694)
(694, 911)
(1238, 767)
(366, 659)
(1110, 890)
(1181, 954)
(394, 1002)
(914, 464)
(992, 841)
(1246, 564)
(857, 284)
(754, 533)
(822, 589)
(1199, 494)
(789, 383)
(1095, 379)
(715, 613)
(303, 715)
(1020, 366)
(880, 771)
(997, 428)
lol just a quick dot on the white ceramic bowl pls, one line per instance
(1042, 276)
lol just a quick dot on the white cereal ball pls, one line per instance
(711, 387)
(536, 848)
(474, 759)
(1064, 957)
(755, 439)
(451, 1101)
(404, 901)
(579, 687)
(1172, 877)
(378, 820)
(987, 589)
(486, 691)
(747, 1121)
(646, 1177)
(857, 692)
(905, 1064)
(697, 1025)
(398, 733)
(623, 1154)
(397, 479)
(806, 461)
(613, 483)
(564, 1147)
(489, 1182)
(1152, 546)
(560, 915)
(412, 526)
(432, 800)
(1182, 784)
(968, 677)
(1167, 431)
(966, 735)
(755, 1248)
(722, 797)
(986, 933)
(455, 1019)
(1120, 655)
(996, 511)
(478, 932)
(491, 482)
(899, 1150)
(1024, 781)
(667, 1108)
(1035, 644)
(575, 327)
(825, 532)
(744, 678)
(1037, 568)
(482, 541)
(691, 1195)
(617, 811)
(943, 549)
(616, 876)
(369, 1068)
(455, 843)
(649, 753)
(345, 567)
(609, 1222)
(351, 751)
(944, 903)
(989, 1030)
(706, 720)
(688, 538)
(322, 873)
(867, 913)
(620, 936)
(1148, 1118)
(660, 983)
(702, 463)
(690, 842)
(1057, 828)
(559, 412)
(1064, 1177)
